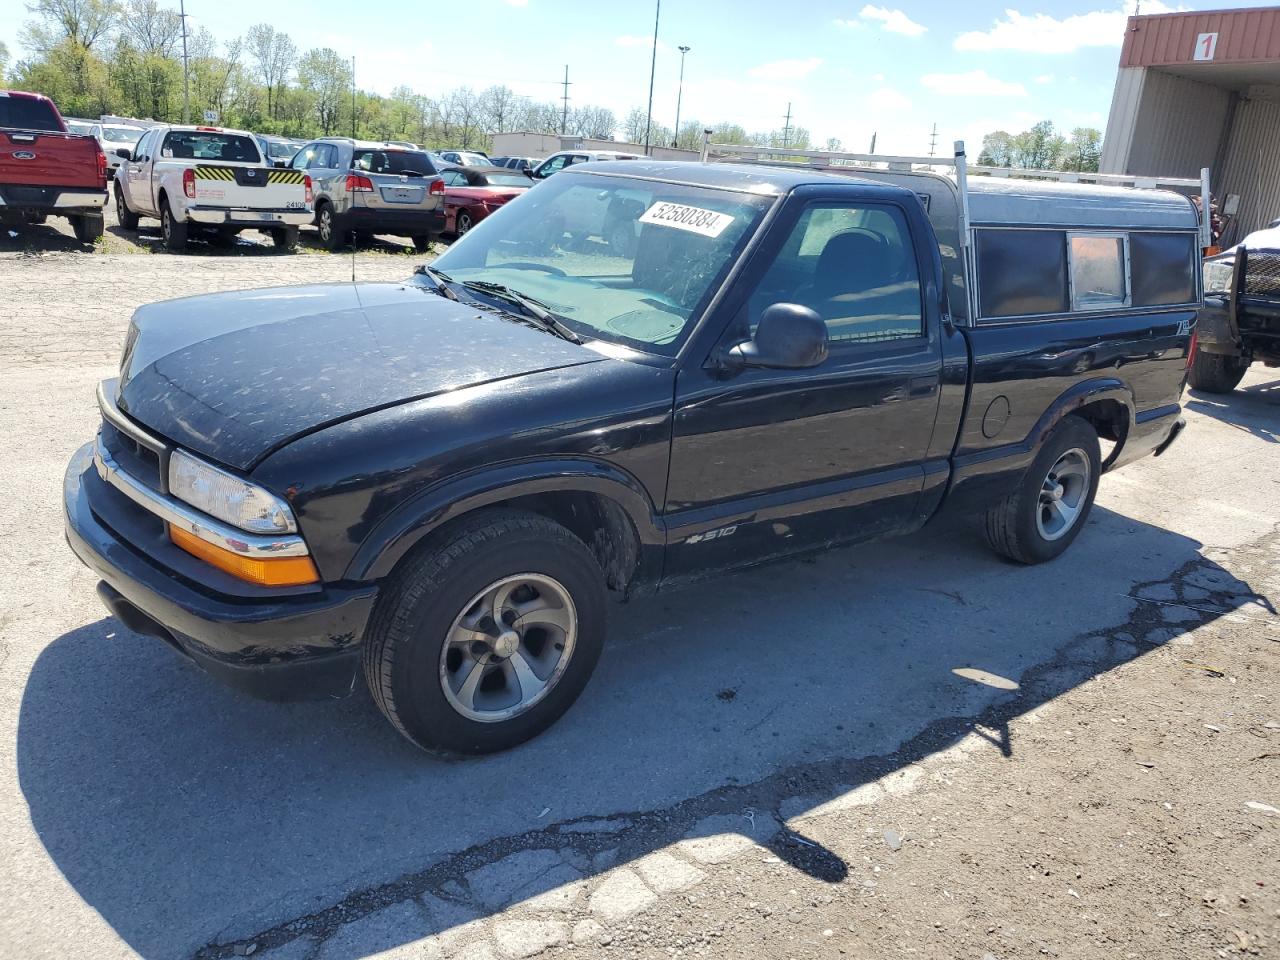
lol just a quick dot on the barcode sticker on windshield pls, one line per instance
(708, 223)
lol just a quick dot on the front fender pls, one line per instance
(405, 527)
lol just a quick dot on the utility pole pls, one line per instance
(933, 140)
(564, 113)
(353, 98)
(186, 85)
(653, 69)
(675, 138)
(873, 143)
(786, 129)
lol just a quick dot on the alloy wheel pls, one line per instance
(508, 648)
(1063, 494)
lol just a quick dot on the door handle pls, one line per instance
(922, 386)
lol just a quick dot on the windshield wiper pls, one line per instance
(441, 281)
(410, 173)
(543, 318)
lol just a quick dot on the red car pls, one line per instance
(472, 193)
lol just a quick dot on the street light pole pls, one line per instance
(653, 69)
(186, 86)
(675, 139)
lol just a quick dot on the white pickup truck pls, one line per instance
(207, 178)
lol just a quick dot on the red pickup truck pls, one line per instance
(46, 170)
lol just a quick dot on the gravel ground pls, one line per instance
(910, 749)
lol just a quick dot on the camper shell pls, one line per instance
(1024, 245)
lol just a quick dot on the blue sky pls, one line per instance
(848, 68)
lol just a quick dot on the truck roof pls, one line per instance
(756, 178)
(1009, 201)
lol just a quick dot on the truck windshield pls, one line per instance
(122, 134)
(28, 113)
(629, 261)
(398, 162)
(205, 145)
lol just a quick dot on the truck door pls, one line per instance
(767, 462)
(138, 178)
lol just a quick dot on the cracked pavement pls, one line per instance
(908, 746)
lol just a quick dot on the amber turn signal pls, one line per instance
(267, 572)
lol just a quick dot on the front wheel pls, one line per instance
(1051, 506)
(483, 639)
(464, 223)
(128, 219)
(1216, 372)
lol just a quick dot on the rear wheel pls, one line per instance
(464, 223)
(87, 227)
(128, 219)
(331, 235)
(173, 232)
(485, 638)
(1051, 506)
(285, 238)
(1216, 372)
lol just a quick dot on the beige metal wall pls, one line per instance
(1178, 127)
(1252, 167)
(1124, 114)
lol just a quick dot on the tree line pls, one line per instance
(1043, 148)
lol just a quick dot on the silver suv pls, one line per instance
(369, 187)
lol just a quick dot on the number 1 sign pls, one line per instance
(1206, 46)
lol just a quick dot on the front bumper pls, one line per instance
(252, 219)
(283, 645)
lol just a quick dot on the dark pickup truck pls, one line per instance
(1240, 322)
(46, 171)
(436, 484)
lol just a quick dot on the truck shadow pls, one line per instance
(186, 815)
(1251, 408)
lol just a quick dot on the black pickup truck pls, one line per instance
(437, 483)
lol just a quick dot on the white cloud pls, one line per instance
(891, 21)
(1044, 78)
(887, 100)
(645, 43)
(1042, 33)
(786, 69)
(975, 83)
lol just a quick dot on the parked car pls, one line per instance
(212, 180)
(472, 193)
(405, 144)
(436, 483)
(1240, 322)
(567, 158)
(368, 187)
(466, 158)
(278, 151)
(45, 170)
(516, 163)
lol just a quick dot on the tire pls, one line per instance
(128, 219)
(422, 242)
(39, 220)
(332, 237)
(87, 227)
(1216, 372)
(412, 668)
(1025, 526)
(173, 232)
(285, 238)
(463, 223)
(225, 237)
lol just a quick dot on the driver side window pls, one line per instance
(855, 266)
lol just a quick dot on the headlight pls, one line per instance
(1218, 274)
(227, 497)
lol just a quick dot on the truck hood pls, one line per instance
(236, 376)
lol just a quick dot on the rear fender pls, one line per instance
(987, 476)
(412, 522)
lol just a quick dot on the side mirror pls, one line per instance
(527, 172)
(280, 164)
(789, 337)
(124, 153)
